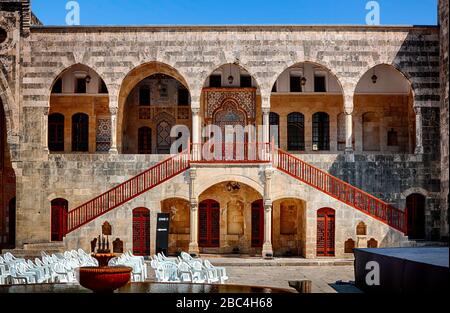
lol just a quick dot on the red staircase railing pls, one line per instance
(127, 190)
(340, 190)
(234, 152)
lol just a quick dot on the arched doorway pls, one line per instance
(415, 206)
(257, 224)
(59, 219)
(209, 224)
(141, 231)
(296, 132)
(325, 232)
(12, 222)
(321, 131)
(164, 141)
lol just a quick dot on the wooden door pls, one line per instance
(141, 231)
(59, 219)
(209, 224)
(257, 224)
(325, 232)
(415, 206)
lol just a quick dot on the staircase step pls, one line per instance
(30, 254)
(44, 246)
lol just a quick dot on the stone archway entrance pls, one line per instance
(231, 219)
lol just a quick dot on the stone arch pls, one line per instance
(132, 79)
(212, 68)
(412, 190)
(66, 65)
(214, 180)
(322, 64)
(7, 101)
(371, 65)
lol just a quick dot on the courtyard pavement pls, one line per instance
(325, 274)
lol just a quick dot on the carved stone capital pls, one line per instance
(195, 111)
(193, 173)
(268, 173)
(113, 110)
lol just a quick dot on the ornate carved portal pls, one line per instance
(225, 106)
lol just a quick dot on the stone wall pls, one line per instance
(444, 68)
(193, 53)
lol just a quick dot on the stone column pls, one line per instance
(193, 228)
(266, 125)
(196, 149)
(113, 148)
(267, 251)
(348, 111)
(45, 129)
(419, 132)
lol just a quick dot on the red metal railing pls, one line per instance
(127, 190)
(340, 190)
(245, 152)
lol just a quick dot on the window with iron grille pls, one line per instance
(80, 132)
(274, 130)
(321, 131)
(56, 132)
(296, 132)
(145, 140)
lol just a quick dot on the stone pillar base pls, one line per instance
(113, 151)
(193, 249)
(349, 155)
(267, 252)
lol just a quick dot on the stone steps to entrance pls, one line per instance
(33, 250)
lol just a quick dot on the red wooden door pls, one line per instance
(415, 206)
(325, 232)
(209, 224)
(141, 231)
(59, 219)
(257, 224)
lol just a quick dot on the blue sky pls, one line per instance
(213, 12)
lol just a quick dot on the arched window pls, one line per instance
(296, 132)
(274, 130)
(80, 132)
(145, 140)
(321, 131)
(56, 132)
(371, 132)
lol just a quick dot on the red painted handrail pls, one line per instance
(340, 190)
(234, 152)
(128, 190)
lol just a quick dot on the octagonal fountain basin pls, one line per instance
(146, 287)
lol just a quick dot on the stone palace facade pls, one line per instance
(360, 157)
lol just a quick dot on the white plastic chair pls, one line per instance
(220, 271)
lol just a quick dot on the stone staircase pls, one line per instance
(33, 250)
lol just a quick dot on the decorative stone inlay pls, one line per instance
(103, 136)
(246, 98)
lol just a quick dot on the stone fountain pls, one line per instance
(104, 278)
